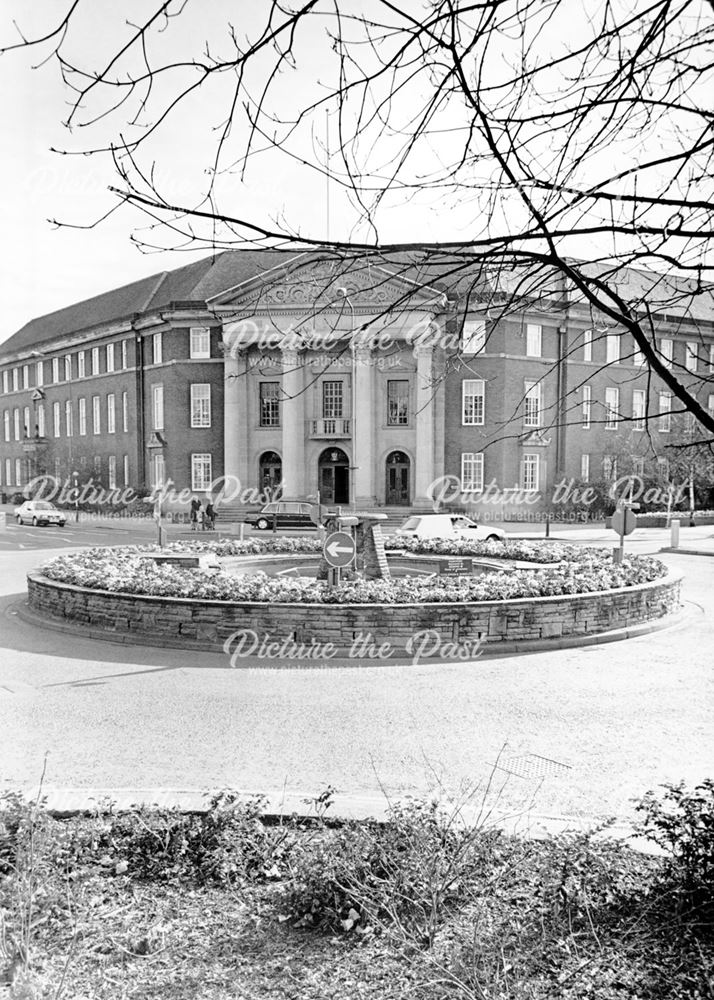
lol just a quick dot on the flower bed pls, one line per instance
(121, 591)
(127, 571)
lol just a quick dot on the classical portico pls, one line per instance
(325, 379)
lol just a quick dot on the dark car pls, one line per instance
(285, 514)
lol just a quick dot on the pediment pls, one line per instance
(332, 286)
(535, 439)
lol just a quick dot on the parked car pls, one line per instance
(285, 514)
(448, 526)
(40, 512)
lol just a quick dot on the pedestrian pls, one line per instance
(195, 513)
(210, 516)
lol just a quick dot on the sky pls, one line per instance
(43, 267)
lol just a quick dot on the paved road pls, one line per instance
(618, 719)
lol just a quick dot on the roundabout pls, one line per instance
(263, 600)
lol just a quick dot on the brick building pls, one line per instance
(265, 368)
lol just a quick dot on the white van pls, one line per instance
(448, 526)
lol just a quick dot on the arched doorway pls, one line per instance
(271, 474)
(333, 476)
(397, 466)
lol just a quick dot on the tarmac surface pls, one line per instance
(550, 737)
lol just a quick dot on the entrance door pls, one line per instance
(397, 467)
(271, 472)
(334, 476)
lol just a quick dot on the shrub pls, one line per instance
(681, 822)
(401, 876)
(227, 844)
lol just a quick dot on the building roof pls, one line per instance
(194, 282)
(459, 275)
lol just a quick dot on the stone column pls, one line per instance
(362, 426)
(292, 417)
(234, 422)
(425, 394)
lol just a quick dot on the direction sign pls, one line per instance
(339, 549)
(624, 521)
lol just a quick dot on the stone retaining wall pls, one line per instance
(180, 621)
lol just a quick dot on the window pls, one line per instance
(638, 466)
(397, 402)
(710, 407)
(157, 397)
(112, 472)
(125, 411)
(711, 358)
(125, 353)
(81, 369)
(55, 370)
(473, 336)
(638, 409)
(530, 472)
(8, 471)
(638, 357)
(472, 401)
(16, 422)
(56, 419)
(157, 349)
(68, 422)
(6, 421)
(40, 373)
(612, 342)
(41, 419)
(585, 468)
(534, 340)
(663, 468)
(126, 470)
(111, 414)
(587, 405)
(587, 345)
(472, 472)
(16, 380)
(5, 382)
(110, 357)
(82, 403)
(269, 404)
(609, 467)
(690, 357)
(612, 408)
(331, 400)
(665, 417)
(531, 416)
(200, 472)
(96, 415)
(68, 367)
(25, 376)
(95, 361)
(200, 342)
(18, 471)
(26, 421)
(200, 405)
(58, 467)
(666, 349)
(157, 470)
(97, 466)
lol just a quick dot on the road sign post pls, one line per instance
(339, 550)
(624, 522)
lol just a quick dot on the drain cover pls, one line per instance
(531, 765)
